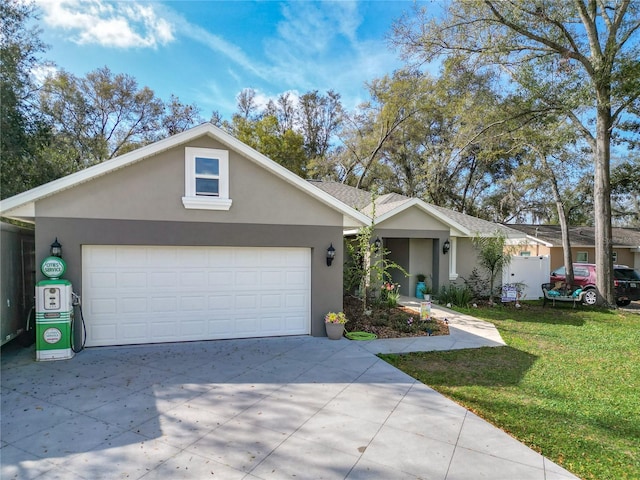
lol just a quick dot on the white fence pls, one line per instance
(530, 273)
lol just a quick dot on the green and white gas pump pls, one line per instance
(54, 312)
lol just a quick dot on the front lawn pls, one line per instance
(567, 384)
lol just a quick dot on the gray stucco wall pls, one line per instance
(439, 263)
(141, 204)
(420, 261)
(399, 254)
(326, 282)
(152, 189)
(467, 259)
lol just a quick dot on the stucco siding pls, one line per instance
(412, 218)
(467, 259)
(152, 189)
(420, 261)
(326, 282)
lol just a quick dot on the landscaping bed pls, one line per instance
(390, 322)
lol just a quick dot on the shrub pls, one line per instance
(456, 295)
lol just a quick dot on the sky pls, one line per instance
(206, 52)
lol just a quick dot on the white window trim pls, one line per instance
(202, 202)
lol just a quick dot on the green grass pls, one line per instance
(567, 384)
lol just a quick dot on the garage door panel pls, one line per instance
(194, 304)
(270, 301)
(134, 305)
(217, 292)
(131, 257)
(220, 278)
(100, 306)
(193, 279)
(220, 302)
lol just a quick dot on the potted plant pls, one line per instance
(334, 324)
(420, 286)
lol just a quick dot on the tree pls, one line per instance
(265, 136)
(493, 256)
(21, 128)
(101, 115)
(371, 126)
(580, 57)
(319, 117)
(625, 187)
(179, 117)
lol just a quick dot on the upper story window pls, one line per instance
(206, 179)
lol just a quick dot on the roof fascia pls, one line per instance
(539, 240)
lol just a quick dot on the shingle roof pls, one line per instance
(478, 225)
(361, 200)
(580, 236)
(351, 196)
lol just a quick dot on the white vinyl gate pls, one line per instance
(531, 272)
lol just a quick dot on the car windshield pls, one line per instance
(626, 274)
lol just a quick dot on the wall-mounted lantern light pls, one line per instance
(331, 254)
(446, 246)
(56, 249)
(377, 243)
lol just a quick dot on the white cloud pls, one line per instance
(117, 24)
(41, 72)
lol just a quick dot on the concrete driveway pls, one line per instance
(291, 407)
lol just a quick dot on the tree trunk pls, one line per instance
(564, 226)
(602, 201)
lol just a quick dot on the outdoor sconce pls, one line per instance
(56, 249)
(377, 244)
(446, 246)
(331, 254)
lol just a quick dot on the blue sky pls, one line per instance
(205, 52)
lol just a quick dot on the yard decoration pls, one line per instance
(334, 324)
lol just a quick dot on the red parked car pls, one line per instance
(626, 282)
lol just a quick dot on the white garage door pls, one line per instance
(135, 294)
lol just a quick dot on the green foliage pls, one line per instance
(554, 54)
(459, 295)
(625, 192)
(389, 295)
(493, 256)
(266, 135)
(566, 385)
(477, 284)
(101, 115)
(21, 127)
(367, 266)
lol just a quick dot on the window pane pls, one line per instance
(580, 272)
(582, 257)
(207, 186)
(207, 166)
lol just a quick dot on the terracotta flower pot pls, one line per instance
(334, 330)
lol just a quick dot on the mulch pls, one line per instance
(390, 322)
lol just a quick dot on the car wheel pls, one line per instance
(590, 297)
(623, 303)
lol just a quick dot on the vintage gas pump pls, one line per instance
(54, 310)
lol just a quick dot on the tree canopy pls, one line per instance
(579, 58)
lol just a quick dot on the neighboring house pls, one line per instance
(414, 233)
(547, 240)
(194, 237)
